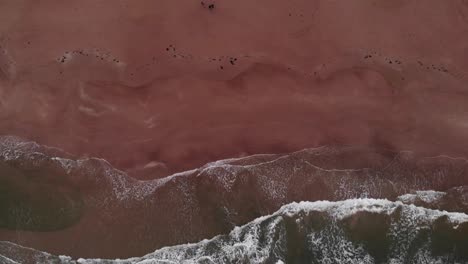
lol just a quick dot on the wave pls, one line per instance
(350, 231)
(116, 216)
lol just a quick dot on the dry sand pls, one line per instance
(177, 84)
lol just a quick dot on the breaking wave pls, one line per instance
(363, 206)
(350, 231)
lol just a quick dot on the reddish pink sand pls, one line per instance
(138, 82)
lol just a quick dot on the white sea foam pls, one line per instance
(428, 196)
(249, 241)
(258, 243)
